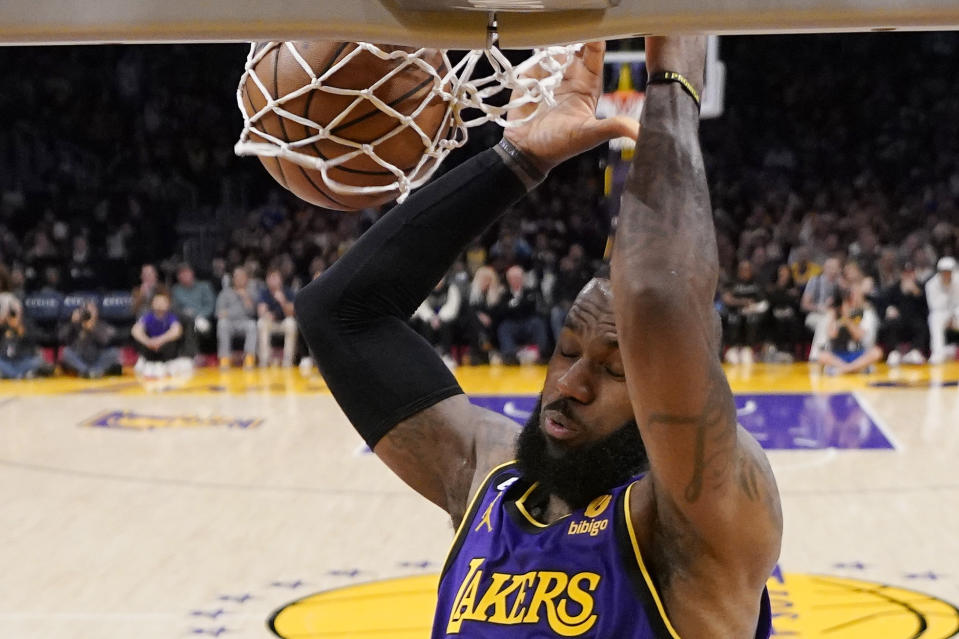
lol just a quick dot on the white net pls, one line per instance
(470, 99)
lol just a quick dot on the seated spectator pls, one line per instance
(8, 299)
(80, 267)
(436, 317)
(942, 295)
(572, 276)
(904, 327)
(510, 248)
(235, 310)
(51, 280)
(803, 269)
(18, 281)
(275, 311)
(194, 304)
(785, 325)
(157, 335)
(854, 277)
(149, 286)
(486, 289)
(86, 339)
(818, 298)
(887, 269)
(19, 356)
(745, 313)
(851, 328)
(520, 324)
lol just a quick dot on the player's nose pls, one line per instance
(576, 382)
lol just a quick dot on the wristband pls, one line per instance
(527, 172)
(668, 77)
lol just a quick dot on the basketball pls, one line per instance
(406, 90)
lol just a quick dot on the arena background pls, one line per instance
(239, 503)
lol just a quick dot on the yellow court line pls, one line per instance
(475, 380)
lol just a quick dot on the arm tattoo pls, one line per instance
(715, 436)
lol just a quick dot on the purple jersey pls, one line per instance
(509, 576)
(155, 326)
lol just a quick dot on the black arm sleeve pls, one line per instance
(354, 317)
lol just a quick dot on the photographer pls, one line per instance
(19, 355)
(87, 352)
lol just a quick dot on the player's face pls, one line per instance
(584, 397)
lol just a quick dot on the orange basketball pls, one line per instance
(282, 74)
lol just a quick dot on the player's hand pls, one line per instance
(570, 127)
(685, 55)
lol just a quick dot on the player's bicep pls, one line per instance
(701, 463)
(439, 450)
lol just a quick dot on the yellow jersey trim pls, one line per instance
(642, 565)
(472, 503)
(521, 507)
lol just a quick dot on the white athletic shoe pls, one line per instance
(450, 362)
(306, 366)
(140, 367)
(913, 358)
(746, 356)
(732, 355)
(528, 355)
(894, 359)
(181, 367)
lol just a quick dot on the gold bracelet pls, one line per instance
(668, 77)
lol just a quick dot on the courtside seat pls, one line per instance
(116, 308)
(43, 309)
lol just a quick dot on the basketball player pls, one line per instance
(637, 507)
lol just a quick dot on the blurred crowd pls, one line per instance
(835, 189)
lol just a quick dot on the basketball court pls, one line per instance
(242, 504)
(205, 507)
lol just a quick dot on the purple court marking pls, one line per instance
(799, 421)
(292, 585)
(213, 632)
(133, 420)
(210, 615)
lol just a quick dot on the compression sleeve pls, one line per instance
(354, 317)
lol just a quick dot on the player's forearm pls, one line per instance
(666, 239)
(138, 333)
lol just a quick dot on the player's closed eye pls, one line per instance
(616, 371)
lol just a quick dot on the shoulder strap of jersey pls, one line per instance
(463, 530)
(636, 569)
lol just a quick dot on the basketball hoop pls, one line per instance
(467, 97)
(626, 102)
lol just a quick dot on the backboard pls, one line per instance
(457, 24)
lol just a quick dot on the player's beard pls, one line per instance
(581, 474)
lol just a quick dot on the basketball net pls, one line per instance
(467, 99)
